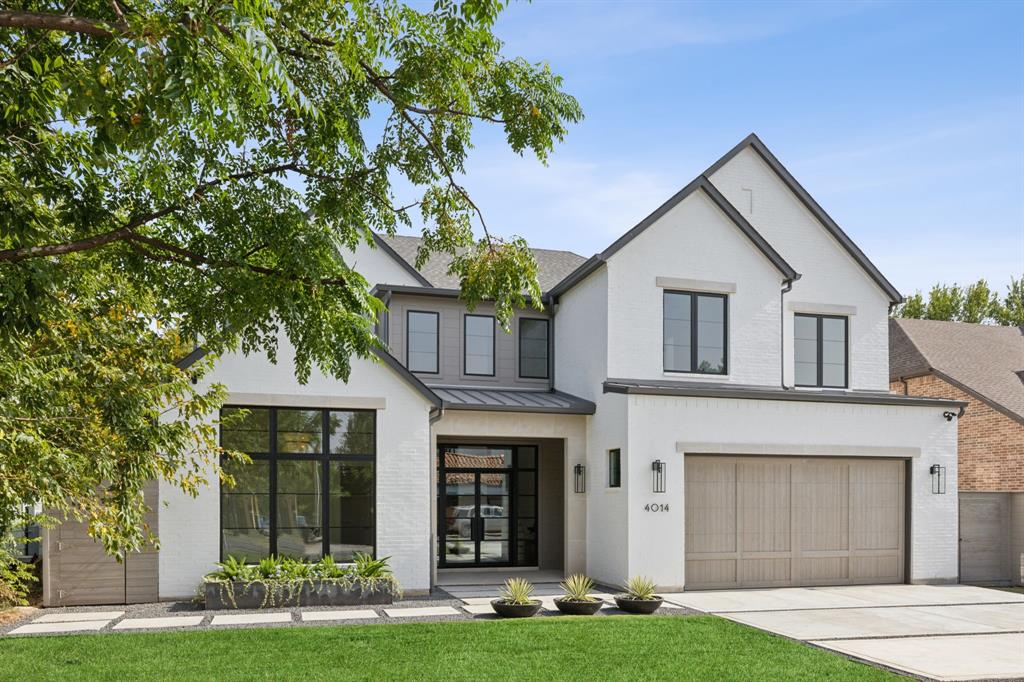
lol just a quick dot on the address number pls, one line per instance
(656, 507)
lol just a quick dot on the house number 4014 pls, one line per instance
(656, 507)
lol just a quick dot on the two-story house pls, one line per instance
(705, 402)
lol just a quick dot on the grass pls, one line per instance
(626, 648)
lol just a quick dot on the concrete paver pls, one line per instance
(252, 618)
(53, 628)
(154, 623)
(351, 614)
(966, 657)
(419, 612)
(72, 616)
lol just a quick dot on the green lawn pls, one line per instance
(702, 648)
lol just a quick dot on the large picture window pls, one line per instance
(819, 353)
(694, 329)
(309, 491)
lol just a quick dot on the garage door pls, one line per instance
(784, 521)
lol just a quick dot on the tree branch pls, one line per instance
(62, 22)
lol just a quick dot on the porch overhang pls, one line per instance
(499, 400)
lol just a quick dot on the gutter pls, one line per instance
(782, 329)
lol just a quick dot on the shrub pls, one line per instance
(517, 591)
(578, 588)
(640, 588)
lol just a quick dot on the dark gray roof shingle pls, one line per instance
(982, 359)
(552, 266)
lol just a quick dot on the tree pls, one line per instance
(1011, 311)
(176, 172)
(976, 304)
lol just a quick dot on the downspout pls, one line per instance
(782, 330)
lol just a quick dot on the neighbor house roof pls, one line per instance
(552, 266)
(986, 361)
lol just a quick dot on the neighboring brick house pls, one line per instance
(982, 365)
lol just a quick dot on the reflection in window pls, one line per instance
(422, 341)
(478, 344)
(694, 332)
(306, 483)
(533, 348)
(819, 352)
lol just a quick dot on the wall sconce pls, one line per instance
(580, 478)
(938, 473)
(658, 469)
(948, 416)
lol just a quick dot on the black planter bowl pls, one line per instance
(644, 606)
(579, 608)
(515, 610)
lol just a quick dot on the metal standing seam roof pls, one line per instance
(985, 361)
(488, 399)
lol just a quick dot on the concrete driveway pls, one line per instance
(953, 632)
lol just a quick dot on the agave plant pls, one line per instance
(577, 588)
(639, 588)
(517, 591)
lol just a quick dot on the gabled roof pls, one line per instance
(701, 182)
(552, 266)
(985, 361)
(754, 142)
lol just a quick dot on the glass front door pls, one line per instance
(478, 506)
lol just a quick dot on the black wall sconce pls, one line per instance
(579, 478)
(938, 473)
(658, 469)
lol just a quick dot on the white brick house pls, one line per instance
(705, 402)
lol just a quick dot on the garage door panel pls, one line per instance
(763, 492)
(712, 496)
(794, 520)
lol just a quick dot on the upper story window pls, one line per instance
(615, 468)
(421, 341)
(695, 332)
(820, 350)
(478, 345)
(533, 348)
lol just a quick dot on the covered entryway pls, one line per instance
(789, 521)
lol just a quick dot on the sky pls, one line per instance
(904, 120)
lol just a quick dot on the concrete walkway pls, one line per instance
(953, 632)
(189, 616)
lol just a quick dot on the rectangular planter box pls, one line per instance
(311, 593)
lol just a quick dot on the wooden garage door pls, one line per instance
(783, 521)
(77, 572)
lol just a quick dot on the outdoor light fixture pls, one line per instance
(938, 473)
(580, 478)
(658, 467)
(949, 415)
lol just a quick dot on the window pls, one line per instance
(694, 332)
(478, 345)
(421, 341)
(309, 491)
(614, 468)
(820, 343)
(533, 348)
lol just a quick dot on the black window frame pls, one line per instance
(325, 458)
(437, 340)
(616, 480)
(694, 296)
(819, 350)
(547, 347)
(494, 346)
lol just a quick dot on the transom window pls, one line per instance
(533, 348)
(421, 341)
(820, 350)
(695, 332)
(615, 468)
(310, 489)
(478, 345)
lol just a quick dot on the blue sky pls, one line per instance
(904, 120)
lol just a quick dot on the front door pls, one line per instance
(487, 506)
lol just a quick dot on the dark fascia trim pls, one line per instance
(406, 265)
(579, 406)
(387, 358)
(633, 386)
(701, 182)
(380, 290)
(754, 142)
(998, 407)
(413, 380)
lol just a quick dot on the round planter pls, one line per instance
(515, 610)
(579, 608)
(638, 605)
